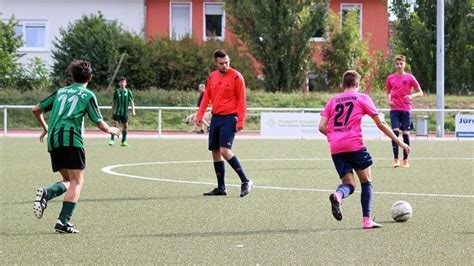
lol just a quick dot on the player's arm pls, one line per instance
(418, 93)
(323, 125)
(417, 87)
(104, 127)
(38, 114)
(133, 107)
(387, 89)
(389, 133)
(242, 103)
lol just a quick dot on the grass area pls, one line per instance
(125, 220)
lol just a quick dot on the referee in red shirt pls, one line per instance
(225, 90)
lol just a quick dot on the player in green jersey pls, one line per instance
(68, 107)
(123, 97)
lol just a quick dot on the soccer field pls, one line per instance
(144, 205)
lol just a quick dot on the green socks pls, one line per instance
(124, 136)
(56, 190)
(112, 137)
(66, 211)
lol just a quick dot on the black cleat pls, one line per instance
(67, 228)
(336, 206)
(245, 188)
(41, 202)
(216, 192)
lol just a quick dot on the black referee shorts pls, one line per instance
(68, 158)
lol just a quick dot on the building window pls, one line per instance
(33, 34)
(345, 8)
(318, 36)
(180, 25)
(214, 21)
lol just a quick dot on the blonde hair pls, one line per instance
(400, 58)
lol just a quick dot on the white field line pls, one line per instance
(109, 170)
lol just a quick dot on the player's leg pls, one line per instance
(362, 162)
(75, 163)
(217, 159)
(395, 122)
(71, 197)
(347, 186)
(124, 122)
(406, 127)
(227, 134)
(43, 195)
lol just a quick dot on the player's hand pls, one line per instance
(44, 133)
(114, 131)
(238, 128)
(133, 113)
(407, 97)
(406, 147)
(198, 122)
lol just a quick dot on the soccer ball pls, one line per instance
(401, 211)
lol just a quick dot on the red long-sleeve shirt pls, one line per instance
(227, 95)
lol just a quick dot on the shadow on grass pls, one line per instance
(242, 233)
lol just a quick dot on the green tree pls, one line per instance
(277, 34)
(136, 65)
(416, 38)
(92, 38)
(9, 44)
(344, 49)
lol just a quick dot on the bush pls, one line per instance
(91, 38)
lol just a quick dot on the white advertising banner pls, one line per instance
(288, 124)
(464, 126)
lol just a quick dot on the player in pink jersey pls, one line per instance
(400, 86)
(341, 122)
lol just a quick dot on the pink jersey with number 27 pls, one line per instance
(344, 113)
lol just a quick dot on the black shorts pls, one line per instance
(345, 162)
(401, 119)
(68, 158)
(222, 131)
(120, 118)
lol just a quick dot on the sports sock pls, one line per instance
(234, 162)
(366, 198)
(406, 140)
(66, 211)
(112, 137)
(394, 145)
(345, 190)
(124, 136)
(219, 167)
(55, 190)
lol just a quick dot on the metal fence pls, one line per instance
(419, 114)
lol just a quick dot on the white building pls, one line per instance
(40, 20)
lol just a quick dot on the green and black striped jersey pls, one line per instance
(68, 107)
(122, 98)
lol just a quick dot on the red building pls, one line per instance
(206, 18)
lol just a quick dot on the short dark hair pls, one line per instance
(219, 53)
(400, 58)
(80, 70)
(121, 79)
(350, 78)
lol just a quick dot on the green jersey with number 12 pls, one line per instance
(68, 106)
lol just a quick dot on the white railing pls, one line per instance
(160, 109)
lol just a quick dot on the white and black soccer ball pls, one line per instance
(401, 211)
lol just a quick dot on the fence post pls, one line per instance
(159, 122)
(5, 116)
